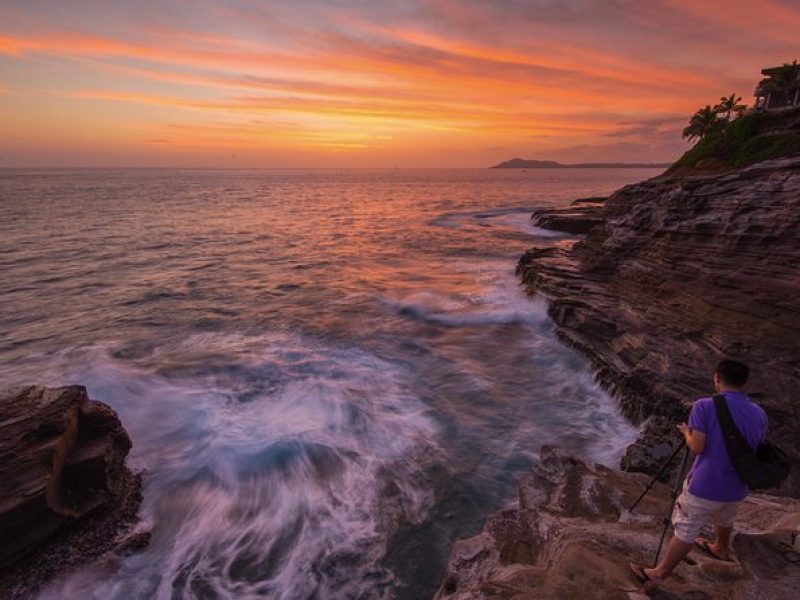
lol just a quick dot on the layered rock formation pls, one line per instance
(672, 274)
(66, 495)
(571, 535)
(577, 219)
(676, 272)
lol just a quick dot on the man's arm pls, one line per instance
(696, 440)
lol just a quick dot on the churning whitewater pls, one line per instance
(328, 376)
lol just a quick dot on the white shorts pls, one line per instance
(692, 513)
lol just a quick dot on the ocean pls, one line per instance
(328, 375)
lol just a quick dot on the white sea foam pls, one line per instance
(516, 219)
(495, 298)
(284, 495)
(522, 222)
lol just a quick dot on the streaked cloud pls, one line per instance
(357, 83)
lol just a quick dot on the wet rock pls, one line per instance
(681, 271)
(66, 495)
(656, 444)
(577, 219)
(578, 536)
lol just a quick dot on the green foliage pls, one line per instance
(740, 144)
(729, 105)
(704, 122)
(769, 146)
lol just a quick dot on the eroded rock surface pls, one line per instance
(571, 535)
(578, 218)
(681, 271)
(66, 495)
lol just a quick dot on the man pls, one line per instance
(712, 490)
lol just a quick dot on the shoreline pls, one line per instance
(673, 272)
(652, 319)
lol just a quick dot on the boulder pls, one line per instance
(66, 495)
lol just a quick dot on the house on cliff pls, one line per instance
(780, 87)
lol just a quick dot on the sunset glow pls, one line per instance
(371, 84)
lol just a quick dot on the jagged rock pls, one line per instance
(657, 441)
(571, 535)
(681, 271)
(578, 218)
(65, 493)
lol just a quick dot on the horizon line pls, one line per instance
(613, 165)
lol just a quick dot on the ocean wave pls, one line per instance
(294, 493)
(513, 218)
(497, 299)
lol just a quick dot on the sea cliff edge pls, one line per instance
(669, 275)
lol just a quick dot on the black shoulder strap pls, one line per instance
(735, 443)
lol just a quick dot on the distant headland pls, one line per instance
(521, 163)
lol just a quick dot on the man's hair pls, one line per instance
(732, 372)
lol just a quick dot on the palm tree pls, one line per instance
(730, 105)
(703, 122)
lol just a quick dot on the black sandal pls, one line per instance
(638, 572)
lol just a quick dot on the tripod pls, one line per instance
(675, 491)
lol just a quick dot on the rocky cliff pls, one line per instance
(66, 495)
(670, 274)
(674, 273)
(571, 535)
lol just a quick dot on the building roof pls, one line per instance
(770, 71)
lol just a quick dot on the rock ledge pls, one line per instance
(66, 496)
(571, 536)
(674, 273)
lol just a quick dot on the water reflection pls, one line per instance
(327, 375)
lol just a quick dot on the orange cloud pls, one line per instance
(463, 74)
(570, 58)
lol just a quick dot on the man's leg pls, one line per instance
(676, 551)
(722, 541)
(687, 519)
(723, 528)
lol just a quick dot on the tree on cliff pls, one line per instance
(704, 121)
(730, 106)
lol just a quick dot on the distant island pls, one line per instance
(521, 163)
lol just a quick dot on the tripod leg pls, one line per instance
(657, 476)
(675, 493)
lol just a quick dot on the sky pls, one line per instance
(346, 83)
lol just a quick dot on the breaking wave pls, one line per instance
(287, 490)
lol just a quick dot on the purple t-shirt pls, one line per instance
(713, 476)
